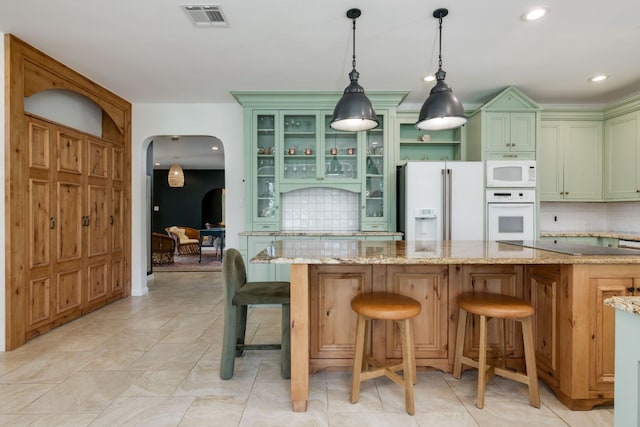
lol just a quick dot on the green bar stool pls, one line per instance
(238, 294)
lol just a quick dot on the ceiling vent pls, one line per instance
(206, 15)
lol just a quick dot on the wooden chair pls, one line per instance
(162, 249)
(489, 306)
(187, 239)
(385, 306)
(238, 294)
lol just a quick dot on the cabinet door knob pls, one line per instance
(631, 289)
(52, 223)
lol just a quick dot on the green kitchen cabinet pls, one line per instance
(375, 210)
(312, 152)
(262, 185)
(570, 160)
(622, 157)
(505, 127)
(289, 146)
(416, 144)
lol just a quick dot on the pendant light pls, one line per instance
(441, 110)
(354, 111)
(176, 176)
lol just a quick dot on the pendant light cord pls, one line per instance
(440, 44)
(353, 61)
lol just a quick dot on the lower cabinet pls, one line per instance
(331, 290)
(429, 286)
(574, 332)
(543, 283)
(573, 329)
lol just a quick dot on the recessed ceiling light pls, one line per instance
(429, 78)
(534, 14)
(598, 78)
(156, 164)
(214, 147)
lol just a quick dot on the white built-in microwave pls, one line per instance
(511, 173)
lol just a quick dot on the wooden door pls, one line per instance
(506, 280)
(69, 180)
(330, 293)
(97, 217)
(602, 328)
(428, 285)
(543, 283)
(39, 291)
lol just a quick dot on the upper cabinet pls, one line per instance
(416, 144)
(622, 157)
(506, 127)
(290, 146)
(570, 160)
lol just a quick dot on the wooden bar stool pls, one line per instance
(385, 306)
(489, 306)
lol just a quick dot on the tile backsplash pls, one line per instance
(320, 209)
(612, 216)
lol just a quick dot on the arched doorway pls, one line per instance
(201, 160)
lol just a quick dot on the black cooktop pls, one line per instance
(569, 248)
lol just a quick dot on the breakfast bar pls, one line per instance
(573, 328)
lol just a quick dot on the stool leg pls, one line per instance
(502, 357)
(407, 361)
(530, 360)
(462, 326)
(412, 348)
(482, 362)
(285, 346)
(357, 359)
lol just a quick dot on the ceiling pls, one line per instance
(149, 51)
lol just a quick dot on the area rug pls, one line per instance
(190, 263)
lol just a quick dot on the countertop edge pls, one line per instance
(628, 304)
(321, 233)
(606, 234)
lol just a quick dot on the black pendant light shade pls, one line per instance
(354, 111)
(442, 110)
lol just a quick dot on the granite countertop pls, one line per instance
(421, 252)
(321, 233)
(628, 304)
(606, 234)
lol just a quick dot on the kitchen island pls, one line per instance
(573, 328)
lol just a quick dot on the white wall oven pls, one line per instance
(511, 173)
(511, 214)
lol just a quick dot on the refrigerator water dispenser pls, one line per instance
(425, 227)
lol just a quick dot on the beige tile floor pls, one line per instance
(153, 361)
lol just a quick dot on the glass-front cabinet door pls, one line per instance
(300, 137)
(265, 191)
(375, 210)
(341, 150)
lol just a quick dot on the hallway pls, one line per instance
(153, 361)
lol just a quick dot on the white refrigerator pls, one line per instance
(441, 200)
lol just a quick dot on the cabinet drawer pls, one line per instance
(521, 155)
(376, 226)
(265, 226)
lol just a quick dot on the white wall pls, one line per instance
(2, 204)
(576, 216)
(224, 121)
